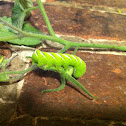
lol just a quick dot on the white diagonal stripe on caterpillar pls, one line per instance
(59, 56)
(36, 53)
(80, 60)
(43, 54)
(74, 58)
(67, 56)
(51, 55)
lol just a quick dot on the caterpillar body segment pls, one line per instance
(60, 60)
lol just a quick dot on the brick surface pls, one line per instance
(82, 22)
(109, 3)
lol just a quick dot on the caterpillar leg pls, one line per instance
(63, 82)
(69, 70)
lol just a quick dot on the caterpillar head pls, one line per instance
(79, 71)
(35, 57)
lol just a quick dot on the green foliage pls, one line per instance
(28, 41)
(4, 77)
(18, 12)
(4, 27)
(18, 16)
(3, 62)
(1, 25)
(1, 59)
(26, 4)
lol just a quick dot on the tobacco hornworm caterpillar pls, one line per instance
(60, 60)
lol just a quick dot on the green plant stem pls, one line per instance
(33, 67)
(76, 83)
(32, 8)
(63, 82)
(46, 18)
(11, 26)
(76, 48)
(67, 44)
(64, 49)
(4, 39)
(67, 76)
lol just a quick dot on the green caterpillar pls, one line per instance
(60, 60)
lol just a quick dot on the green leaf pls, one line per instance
(26, 4)
(18, 16)
(18, 13)
(1, 25)
(1, 60)
(4, 77)
(7, 20)
(28, 41)
(6, 28)
(5, 33)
